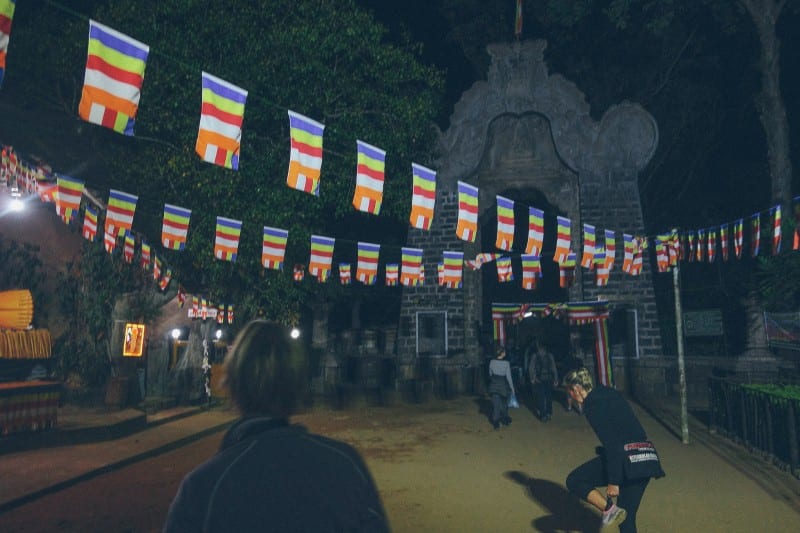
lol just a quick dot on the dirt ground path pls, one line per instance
(441, 467)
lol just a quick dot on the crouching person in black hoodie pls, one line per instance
(270, 475)
(627, 460)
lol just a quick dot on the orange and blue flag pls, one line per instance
(305, 156)
(423, 196)
(226, 243)
(114, 74)
(370, 168)
(222, 112)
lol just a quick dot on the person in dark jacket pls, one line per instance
(627, 460)
(270, 475)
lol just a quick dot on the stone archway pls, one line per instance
(526, 129)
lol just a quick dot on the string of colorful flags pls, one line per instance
(110, 96)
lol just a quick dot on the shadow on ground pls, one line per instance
(567, 513)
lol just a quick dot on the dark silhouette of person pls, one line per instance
(270, 475)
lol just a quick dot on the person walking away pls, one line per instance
(500, 387)
(270, 474)
(544, 377)
(627, 460)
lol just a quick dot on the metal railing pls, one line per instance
(764, 423)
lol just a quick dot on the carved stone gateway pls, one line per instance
(528, 134)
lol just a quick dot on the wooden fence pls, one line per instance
(764, 423)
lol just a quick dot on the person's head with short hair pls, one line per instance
(265, 371)
(578, 383)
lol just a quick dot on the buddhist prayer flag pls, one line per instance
(221, 116)
(755, 228)
(723, 241)
(639, 245)
(566, 271)
(89, 224)
(181, 297)
(776, 229)
(712, 244)
(175, 226)
(602, 272)
(589, 242)
(535, 231)
(674, 248)
(518, 20)
(321, 257)
(46, 191)
(690, 239)
(119, 214)
(410, 266)
(467, 226)
(109, 241)
(367, 266)
(738, 237)
(505, 272)
(611, 249)
(299, 272)
(156, 268)
(230, 313)
(127, 247)
(226, 242)
(452, 267)
(796, 212)
(68, 196)
(662, 254)
(145, 256)
(627, 259)
(220, 313)
(195, 306)
(701, 245)
(370, 168)
(423, 197)
(6, 16)
(305, 157)
(164, 283)
(480, 260)
(273, 247)
(531, 271)
(505, 224)
(392, 274)
(562, 240)
(345, 276)
(114, 74)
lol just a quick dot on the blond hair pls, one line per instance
(266, 372)
(579, 376)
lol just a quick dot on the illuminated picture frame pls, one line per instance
(133, 343)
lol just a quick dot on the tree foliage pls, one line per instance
(323, 58)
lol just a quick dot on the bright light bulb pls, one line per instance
(176, 333)
(295, 333)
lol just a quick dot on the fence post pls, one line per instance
(711, 407)
(770, 436)
(792, 429)
(743, 415)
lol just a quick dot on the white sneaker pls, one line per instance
(614, 516)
